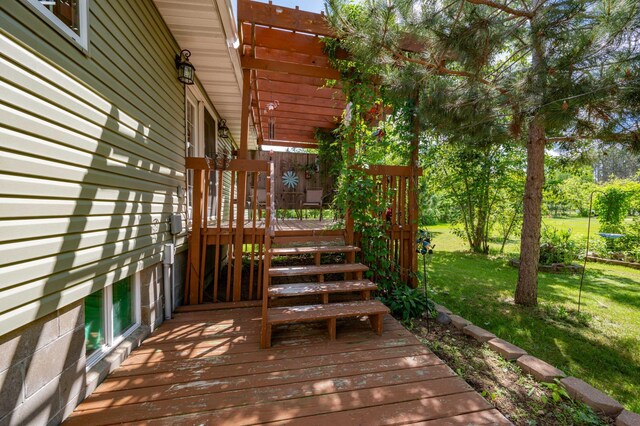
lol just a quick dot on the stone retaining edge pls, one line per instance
(577, 389)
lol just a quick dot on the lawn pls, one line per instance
(605, 352)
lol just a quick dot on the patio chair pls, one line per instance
(260, 201)
(313, 200)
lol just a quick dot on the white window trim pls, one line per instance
(110, 342)
(195, 96)
(82, 39)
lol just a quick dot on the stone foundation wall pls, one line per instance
(42, 368)
(43, 374)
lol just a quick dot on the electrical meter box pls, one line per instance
(175, 222)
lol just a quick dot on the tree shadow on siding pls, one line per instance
(130, 239)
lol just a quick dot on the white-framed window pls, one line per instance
(71, 17)
(110, 315)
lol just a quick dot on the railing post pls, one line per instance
(199, 165)
(265, 337)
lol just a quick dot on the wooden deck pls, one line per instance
(206, 368)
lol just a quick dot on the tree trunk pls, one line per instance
(527, 288)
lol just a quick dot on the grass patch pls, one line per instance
(600, 345)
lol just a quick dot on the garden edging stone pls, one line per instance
(459, 322)
(545, 372)
(538, 369)
(628, 418)
(440, 308)
(480, 334)
(591, 396)
(505, 349)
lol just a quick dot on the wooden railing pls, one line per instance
(270, 221)
(226, 233)
(396, 192)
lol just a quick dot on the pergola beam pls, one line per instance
(289, 41)
(302, 90)
(289, 144)
(284, 98)
(272, 15)
(300, 116)
(291, 57)
(299, 79)
(307, 109)
(289, 68)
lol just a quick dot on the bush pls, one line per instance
(625, 248)
(557, 246)
(406, 302)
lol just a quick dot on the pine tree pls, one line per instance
(536, 72)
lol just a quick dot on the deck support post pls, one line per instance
(376, 323)
(192, 294)
(331, 326)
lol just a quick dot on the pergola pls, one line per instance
(285, 71)
(286, 97)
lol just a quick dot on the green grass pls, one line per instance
(446, 240)
(605, 353)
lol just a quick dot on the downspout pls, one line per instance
(167, 276)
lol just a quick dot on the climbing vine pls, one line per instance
(374, 130)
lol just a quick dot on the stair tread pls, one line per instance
(326, 311)
(302, 289)
(313, 249)
(283, 271)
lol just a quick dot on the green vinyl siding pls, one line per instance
(91, 155)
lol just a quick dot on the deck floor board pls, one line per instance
(206, 368)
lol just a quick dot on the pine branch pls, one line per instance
(440, 69)
(507, 9)
(605, 137)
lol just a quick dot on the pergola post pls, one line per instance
(242, 185)
(413, 197)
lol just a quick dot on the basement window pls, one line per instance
(70, 17)
(110, 315)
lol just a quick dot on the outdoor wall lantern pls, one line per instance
(223, 130)
(185, 69)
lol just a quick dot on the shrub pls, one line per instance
(406, 302)
(557, 246)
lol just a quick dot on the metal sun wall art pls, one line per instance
(290, 179)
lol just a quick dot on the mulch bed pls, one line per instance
(516, 395)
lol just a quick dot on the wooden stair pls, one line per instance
(353, 282)
(295, 271)
(284, 251)
(305, 289)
